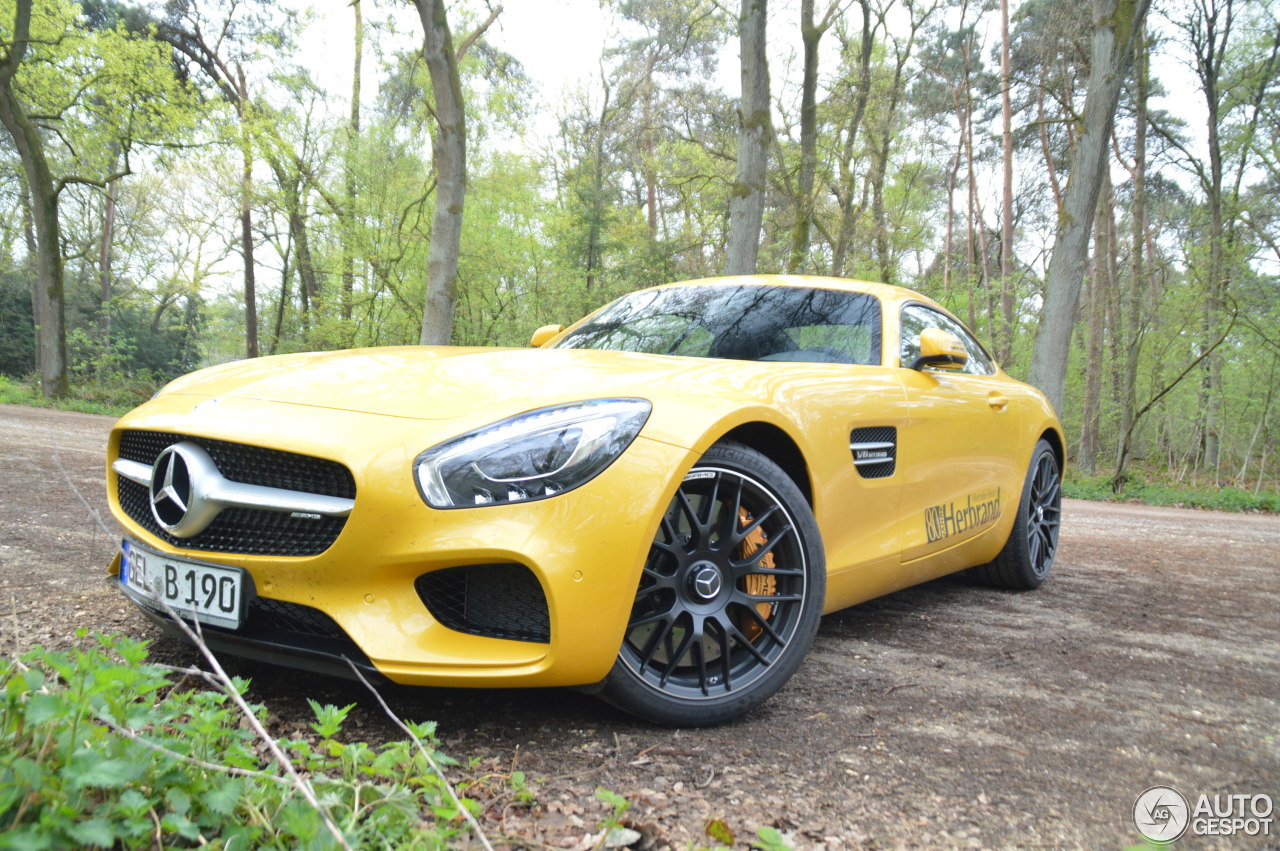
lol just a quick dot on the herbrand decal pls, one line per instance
(953, 518)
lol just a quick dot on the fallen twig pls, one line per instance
(187, 758)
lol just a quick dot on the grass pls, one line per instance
(1150, 490)
(112, 400)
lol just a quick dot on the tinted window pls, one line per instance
(739, 323)
(917, 317)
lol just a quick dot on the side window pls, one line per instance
(917, 317)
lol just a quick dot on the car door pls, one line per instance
(958, 454)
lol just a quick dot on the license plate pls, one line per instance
(210, 593)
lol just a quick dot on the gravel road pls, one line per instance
(948, 715)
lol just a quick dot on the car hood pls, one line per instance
(444, 382)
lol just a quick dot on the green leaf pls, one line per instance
(179, 801)
(223, 799)
(770, 840)
(88, 769)
(95, 831)
(42, 708)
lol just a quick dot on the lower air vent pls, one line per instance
(493, 600)
(875, 451)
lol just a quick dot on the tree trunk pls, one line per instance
(104, 262)
(845, 189)
(1116, 24)
(33, 254)
(349, 202)
(246, 219)
(1004, 345)
(1137, 259)
(1087, 453)
(810, 36)
(746, 205)
(49, 306)
(449, 156)
(1097, 296)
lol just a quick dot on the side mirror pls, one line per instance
(544, 334)
(940, 350)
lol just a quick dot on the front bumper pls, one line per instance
(586, 549)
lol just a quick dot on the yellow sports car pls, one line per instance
(656, 504)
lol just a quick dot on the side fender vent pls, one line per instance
(875, 451)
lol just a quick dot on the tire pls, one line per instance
(1027, 557)
(730, 597)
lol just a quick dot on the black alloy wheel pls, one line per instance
(1027, 557)
(730, 596)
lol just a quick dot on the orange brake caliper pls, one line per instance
(757, 584)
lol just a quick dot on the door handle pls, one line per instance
(997, 401)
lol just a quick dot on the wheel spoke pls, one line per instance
(758, 556)
(674, 657)
(739, 535)
(656, 639)
(712, 501)
(751, 599)
(726, 644)
(692, 516)
(764, 624)
(636, 623)
(746, 644)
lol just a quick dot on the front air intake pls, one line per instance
(492, 600)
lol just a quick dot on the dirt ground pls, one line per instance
(947, 715)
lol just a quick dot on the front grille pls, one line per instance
(281, 618)
(493, 600)
(875, 451)
(244, 530)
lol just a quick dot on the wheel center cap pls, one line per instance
(706, 583)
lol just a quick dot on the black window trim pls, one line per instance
(995, 365)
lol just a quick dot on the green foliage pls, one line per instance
(17, 333)
(1104, 489)
(112, 401)
(100, 749)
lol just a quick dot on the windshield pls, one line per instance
(759, 323)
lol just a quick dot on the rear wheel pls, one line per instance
(730, 597)
(1027, 557)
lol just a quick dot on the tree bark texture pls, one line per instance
(104, 260)
(746, 204)
(349, 176)
(846, 189)
(449, 156)
(1116, 25)
(246, 219)
(810, 35)
(1004, 345)
(49, 306)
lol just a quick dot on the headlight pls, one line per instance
(530, 456)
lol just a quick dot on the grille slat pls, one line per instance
(244, 530)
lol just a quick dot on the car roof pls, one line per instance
(885, 292)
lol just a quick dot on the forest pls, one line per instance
(1093, 188)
